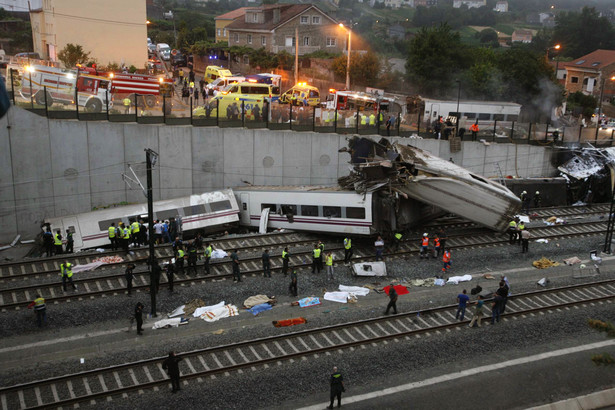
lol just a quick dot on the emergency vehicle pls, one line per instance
(354, 100)
(221, 83)
(250, 94)
(147, 85)
(265, 78)
(301, 94)
(213, 71)
(63, 86)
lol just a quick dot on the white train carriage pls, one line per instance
(309, 208)
(210, 211)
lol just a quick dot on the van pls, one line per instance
(302, 94)
(250, 95)
(221, 83)
(213, 72)
(164, 50)
(274, 79)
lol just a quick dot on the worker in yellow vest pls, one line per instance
(398, 237)
(316, 258)
(512, 231)
(66, 271)
(329, 263)
(125, 237)
(40, 309)
(179, 260)
(285, 259)
(113, 236)
(57, 242)
(208, 251)
(135, 228)
(126, 101)
(372, 119)
(347, 250)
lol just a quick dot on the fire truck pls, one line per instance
(91, 91)
(355, 100)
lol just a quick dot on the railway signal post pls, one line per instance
(150, 158)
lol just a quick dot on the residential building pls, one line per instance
(20, 6)
(274, 27)
(224, 20)
(586, 73)
(522, 36)
(425, 3)
(394, 4)
(501, 7)
(108, 35)
(560, 71)
(471, 4)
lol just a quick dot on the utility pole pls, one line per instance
(150, 159)
(296, 55)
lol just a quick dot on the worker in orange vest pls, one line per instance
(474, 129)
(424, 246)
(436, 246)
(446, 259)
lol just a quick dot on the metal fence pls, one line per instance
(175, 110)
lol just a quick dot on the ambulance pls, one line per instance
(250, 94)
(354, 100)
(213, 71)
(221, 83)
(301, 94)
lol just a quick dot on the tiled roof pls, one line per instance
(287, 12)
(595, 60)
(232, 15)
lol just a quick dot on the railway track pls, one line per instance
(16, 297)
(98, 385)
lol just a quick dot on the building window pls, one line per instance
(263, 40)
(306, 41)
(305, 20)
(219, 32)
(236, 37)
(585, 81)
(249, 38)
(331, 41)
(224, 32)
(574, 80)
(290, 42)
(315, 19)
(255, 18)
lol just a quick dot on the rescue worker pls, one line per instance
(171, 365)
(315, 258)
(181, 76)
(372, 120)
(40, 309)
(347, 250)
(424, 253)
(66, 271)
(179, 259)
(363, 120)
(129, 276)
(537, 200)
(235, 262)
(69, 241)
(392, 300)
(285, 259)
(135, 228)
(512, 231)
(139, 317)
(520, 229)
(446, 259)
(436, 246)
(170, 273)
(322, 255)
(154, 280)
(329, 264)
(337, 388)
(126, 101)
(525, 202)
(293, 283)
(443, 237)
(398, 236)
(177, 243)
(379, 245)
(125, 238)
(474, 129)
(113, 236)
(48, 242)
(266, 264)
(57, 242)
(192, 258)
(208, 251)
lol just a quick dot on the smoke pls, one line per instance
(547, 100)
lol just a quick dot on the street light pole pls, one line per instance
(348, 57)
(458, 114)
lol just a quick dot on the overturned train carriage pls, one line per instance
(415, 174)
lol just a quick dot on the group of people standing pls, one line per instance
(55, 244)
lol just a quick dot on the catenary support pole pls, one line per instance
(150, 159)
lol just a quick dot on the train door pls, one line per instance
(72, 224)
(245, 209)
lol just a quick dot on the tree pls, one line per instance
(435, 57)
(579, 102)
(72, 54)
(488, 36)
(582, 33)
(364, 68)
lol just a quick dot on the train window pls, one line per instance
(498, 117)
(355, 213)
(289, 209)
(272, 207)
(71, 229)
(194, 210)
(220, 205)
(469, 115)
(332, 211)
(309, 210)
(245, 206)
(104, 225)
(484, 116)
(168, 214)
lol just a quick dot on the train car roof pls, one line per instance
(296, 188)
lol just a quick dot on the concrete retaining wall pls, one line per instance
(59, 167)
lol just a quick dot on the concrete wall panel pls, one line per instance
(238, 157)
(207, 159)
(69, 167)
(297, 161)
(268, 158)
(8, 217)
(175, 162)
(324, 159)
(106, 153)
(136, 138)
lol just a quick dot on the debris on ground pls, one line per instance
(289, 322)
(554, 220)
(370, 269)
(544, 263)
(258, 300)
(218, 332)
(572, 261)
(168, 323)
(255, 310)
(191, 306)
(454, 280)
(488, 276)
(307, 302)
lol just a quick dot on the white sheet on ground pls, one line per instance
(177, 312)
(373, 269)
(357, 290)
(87, 267)
(220, 313)
(262, 226)
(340, 297)
(199, 311)
(218, 254)
(456, 279)
(164, 323)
